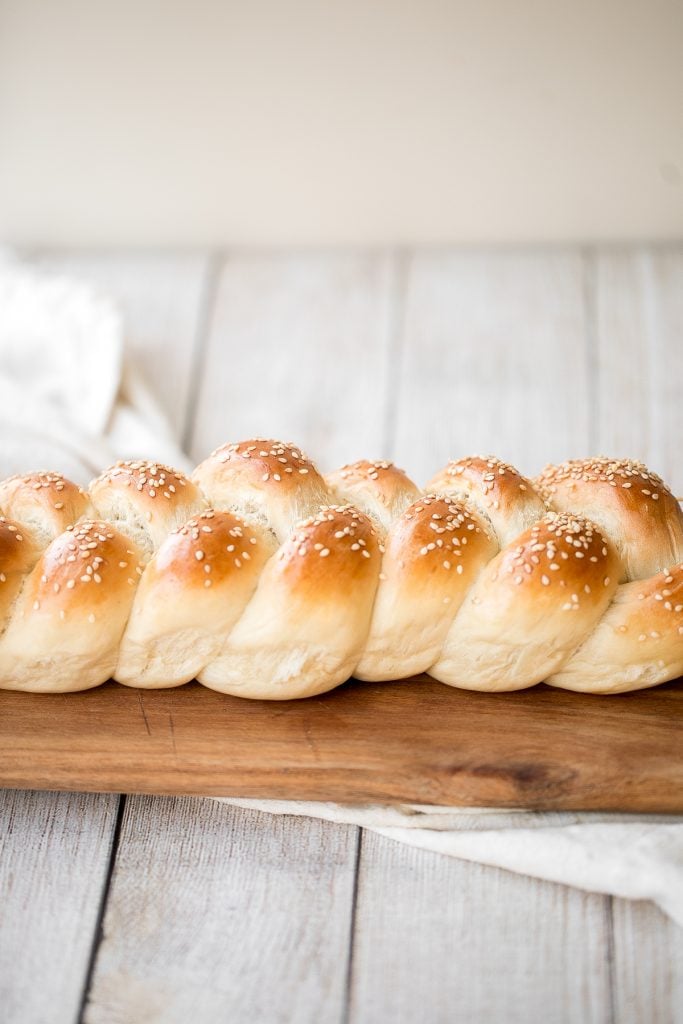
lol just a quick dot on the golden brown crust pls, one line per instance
(303, 631)
(19, 552)
(631, 504)
(47, 502)
(637, 643)
(560, 551)
(437, 535)
(82, 570)
(269, 481)
(379, 488)
(221, 601)
(337, 546)
(190, 596)
(531, 607)
(208, 549)
(434, 553)
(69, 618)
(145, 500)
(506, 499)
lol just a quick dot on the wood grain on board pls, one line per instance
(415, 741)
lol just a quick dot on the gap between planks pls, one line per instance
(209, 285)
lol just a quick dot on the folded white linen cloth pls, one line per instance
(637, 857)
(71, 401)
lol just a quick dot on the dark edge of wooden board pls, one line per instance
(414, 741)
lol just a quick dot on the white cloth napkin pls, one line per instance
(637, 857)
(71, 401)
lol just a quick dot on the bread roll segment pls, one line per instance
(494, 489)
(251, 577)
(380, 489)
(633, 506)
(434, 553)
(531, 607)
(47, 503)
(190, 596)
(145, 500)
(304, 630)
(265, 481)
(19, 552)
(66, 628)
(637, 643)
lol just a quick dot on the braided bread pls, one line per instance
(261, 578)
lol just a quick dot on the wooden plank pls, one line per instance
(638, 326)
(299, 350)
(648, 965)
(218, 913)
(161, 296)
(54, 855)
(493, 360)
(443, 940)
(415, 741)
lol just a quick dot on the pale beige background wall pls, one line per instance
(355, 121)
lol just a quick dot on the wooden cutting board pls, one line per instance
(414, 741)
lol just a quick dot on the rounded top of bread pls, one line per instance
(506, 499)
(379, 488)
(631, 504)
(47, 502)
(269, 481)
(336, 546)
(145, 500)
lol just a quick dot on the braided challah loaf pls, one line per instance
(261, 578)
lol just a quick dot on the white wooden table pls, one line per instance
(129, 910)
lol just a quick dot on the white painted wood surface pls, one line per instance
(639, 356)
(54, 856)
(442, 940)
(299, 349)
(213, 913)
(647, 964)
(216, 913)
(493, 359)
